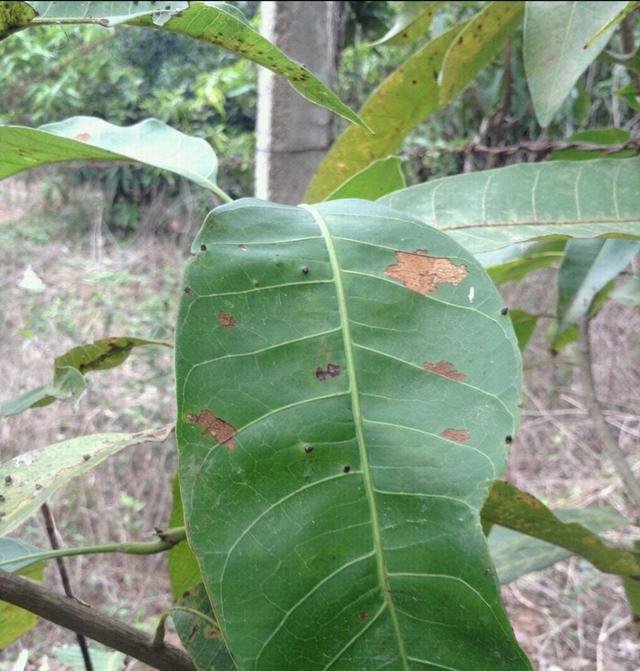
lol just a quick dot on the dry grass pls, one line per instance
(569, 617)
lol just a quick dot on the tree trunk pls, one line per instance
(293, 134)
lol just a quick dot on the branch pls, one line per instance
(82, 619)
(52, 532)
(166, 540)
(608, 440)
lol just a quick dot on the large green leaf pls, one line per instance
(411, 23)
(477, 44)
(517, 510)
(488, 210)
(555, 34)
(515, 554)
(70, 368)
(150, 142)
(406, 97)
(201, 640)
(28, 480)
(376, 180)
(588, 266)
(14, 621)
(218, 23)
(347, 384)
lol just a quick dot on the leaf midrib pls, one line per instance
(359, 429)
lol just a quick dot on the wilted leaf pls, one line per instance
(406, 97)
(477, 44)
(218, 23)
(14, 621)
(555, 34)
(81, 138)
(588, 266)
(200, 638)
(515, 554)
(517, 510)
(69, 371)
(411, 23)
(29, 479)
(370, 412)
(376, 180)
(484, 211)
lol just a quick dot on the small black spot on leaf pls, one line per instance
(86, 457)
(203, 248)
(8, 479)
(304, 269)
(308, 448)
(508, 440)
(504, 311)
(346, 469)
(188, 291)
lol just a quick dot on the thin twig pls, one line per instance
(78, 617)
(52, 532)
(607, 439)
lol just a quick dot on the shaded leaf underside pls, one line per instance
(339, 524)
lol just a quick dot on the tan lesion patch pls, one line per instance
(423, 273)
(444, 369)
(83, 137)
(215, 427)
(458, 435)
(226, 320)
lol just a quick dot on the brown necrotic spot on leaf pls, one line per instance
(332, 370)
(226, 320)
(459, 435)
(444, 369)
(211, 632)
(83, 137)
(215, 427)
(423, 273)
(363, 616)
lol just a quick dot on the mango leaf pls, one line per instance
(484, 211)
(515, 554)
(184, 572)
(524, 324)
(13, 17)
(528, 257)
(150, 142)
(218, 23)
(510, 507)
(411, 23)
(607, 137)
(14, 621)
(69, 371)
(376, 180)
(200, 639)
(628, 293)
(588, 266)
(408, 96)
(616, 20)
(477, 44)
(28, 480)
(555, 34)
(346, 388)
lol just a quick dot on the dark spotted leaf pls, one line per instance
(488, 210)
(519, 511)
(218, 23)
(28, 480)
(347, 385)
(516, 554)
